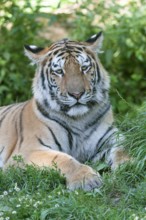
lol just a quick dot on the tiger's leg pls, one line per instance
(114, 156)
(117, 156)
(77, 175)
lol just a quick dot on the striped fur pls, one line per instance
(69, 120)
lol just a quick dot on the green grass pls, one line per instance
(32, 193)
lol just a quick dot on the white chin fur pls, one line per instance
(78, 111)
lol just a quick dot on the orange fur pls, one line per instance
(68, 127)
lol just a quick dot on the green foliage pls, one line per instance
(124, 46)
(30, 178)
(34, 193)
(18, 27)
(134, 129)
(22, 190)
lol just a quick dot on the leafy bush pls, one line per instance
(18, 27)
(124, 45)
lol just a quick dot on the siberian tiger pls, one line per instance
(69, 119)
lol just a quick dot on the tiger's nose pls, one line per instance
(76, 95)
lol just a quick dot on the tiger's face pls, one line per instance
(69, 76)
(73, 76)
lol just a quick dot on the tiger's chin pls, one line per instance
(77, 110)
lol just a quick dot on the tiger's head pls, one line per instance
(69, 76)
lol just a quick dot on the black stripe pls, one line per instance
(2, 150)
(43, 79)
(70, 139)
(101, 139)
(4, 109)
(15, 117)
(21, 126)
(5, 112)
(62, 124)
(89, 58)
(98, 146)
(60, 54)
(93, 129)
(49, 64)
(42, 143)
(50, 60)
(55, 139)
(55, 46)
(49, 54)
(70, 48)
(14, 111)
(47, 74)
(98, 73)
(79, 48)
(45, 101)
(16, 127)
(42, 110)
(77, 53)
(94, 121)
(55, 52)
(103, 144)
(67, 129)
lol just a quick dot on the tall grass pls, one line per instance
(33, 193)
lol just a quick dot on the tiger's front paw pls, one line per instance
(85, 178)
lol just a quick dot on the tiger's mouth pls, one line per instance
(80, 109)
(88, 103)
(72, 101)
(80, 104)
(77, 107)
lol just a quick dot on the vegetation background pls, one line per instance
(43, 22)
(36, 194)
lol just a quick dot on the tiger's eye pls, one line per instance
(59, 71)
(85, 68)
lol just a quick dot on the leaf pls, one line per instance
(101, 166)
(44, 214)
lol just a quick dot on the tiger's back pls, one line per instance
(20, 127)
(69, 119)
(10, 130)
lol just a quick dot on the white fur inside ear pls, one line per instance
(34, 57)
(33, 46)
(93, 36)
(96, 46)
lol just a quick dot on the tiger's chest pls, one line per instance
(82, 149)
(80, 138)
(87, 143)
(79, 143)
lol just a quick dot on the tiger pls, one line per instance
(69, 119)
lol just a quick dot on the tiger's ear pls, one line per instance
(34, 53)
(95, 42)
